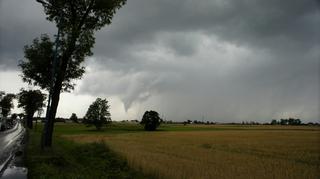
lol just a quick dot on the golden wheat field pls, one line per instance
(278, 153)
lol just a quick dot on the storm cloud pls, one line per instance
(222, 60)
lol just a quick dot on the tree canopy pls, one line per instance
(98, 114)
(77, 20)
(2, 93)
(6, 103)
(31, 101)
(38, 63)
(74, 118)
(151, 120)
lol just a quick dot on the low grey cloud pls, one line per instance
(225, 60)
(20, 23)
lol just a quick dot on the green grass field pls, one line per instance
(177, 151)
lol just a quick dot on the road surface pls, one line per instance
(10, 143)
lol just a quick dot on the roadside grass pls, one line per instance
(67, 159)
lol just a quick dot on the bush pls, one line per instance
(151, 120)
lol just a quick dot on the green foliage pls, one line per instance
(98, 114)
(151, 120)
(274, 122)
(77, 21)
(31, 101)
(74, 118)
(293, 121)
(38, 63)
(283, 121)
(290, 121)
(37, 67)
(6, 103)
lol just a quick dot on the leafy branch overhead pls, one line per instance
(39, 62)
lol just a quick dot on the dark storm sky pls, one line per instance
(221, 59)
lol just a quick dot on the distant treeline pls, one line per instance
(289, 121)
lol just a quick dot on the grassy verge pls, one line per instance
(67, 159)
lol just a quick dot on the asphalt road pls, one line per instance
(9, 143)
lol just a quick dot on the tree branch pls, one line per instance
(73, 13)
(42, 2)
(85, 14)
(46, 5)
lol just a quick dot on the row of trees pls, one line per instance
(33, 100)
(198, 122)
(290, 121)
(6, 103)
(98, 114)
(30, 100)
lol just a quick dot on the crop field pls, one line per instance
(216, 151)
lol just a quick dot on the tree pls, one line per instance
(74, 118)
(76, 21)
(297, 122)
(13, 119)
(6, 103)
(151, 120)
(14, 116)
(284, 121)
(274, 122)
(31, 101)
(2, 93)
(293, 121)
(98, 114)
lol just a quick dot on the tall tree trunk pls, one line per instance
(29, 120)
(48, 130)
(52, 115)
